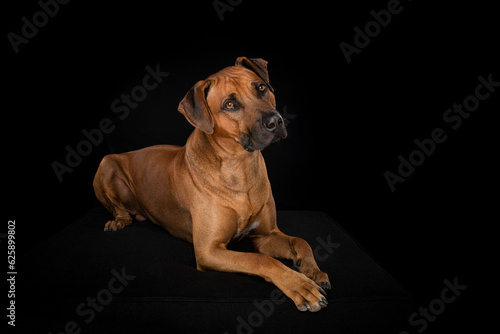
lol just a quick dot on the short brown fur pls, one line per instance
(215, 189)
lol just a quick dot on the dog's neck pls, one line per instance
(227, 160)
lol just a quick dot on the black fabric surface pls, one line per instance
(163, 291)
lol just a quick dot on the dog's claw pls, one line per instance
(304, 307)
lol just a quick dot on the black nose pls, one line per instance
(273, 121)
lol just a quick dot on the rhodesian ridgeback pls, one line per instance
(215, 189)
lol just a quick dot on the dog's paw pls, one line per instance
(305, 293)
(115, 225)
(317, 276)
(322, 280)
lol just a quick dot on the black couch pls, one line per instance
(143, 280)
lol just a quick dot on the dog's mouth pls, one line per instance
(249, 148)
(252, 143)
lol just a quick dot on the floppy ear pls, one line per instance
(258, 65)
(194, 106)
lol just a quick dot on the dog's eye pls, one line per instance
(262, 88)
(230, 105)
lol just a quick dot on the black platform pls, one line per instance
(143, 280)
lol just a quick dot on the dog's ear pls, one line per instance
(194, 106)
(257, 65)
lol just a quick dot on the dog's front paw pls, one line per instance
(314, 273)
(322, 280)
(319, 277)
(305, 293)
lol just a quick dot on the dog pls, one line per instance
(215, 189)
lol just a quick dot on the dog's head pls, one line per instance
(236, 103)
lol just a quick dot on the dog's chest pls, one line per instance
(242, 231)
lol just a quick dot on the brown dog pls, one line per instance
(215, 189)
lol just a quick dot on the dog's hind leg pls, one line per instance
(114, 193)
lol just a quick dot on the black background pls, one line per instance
(348, 122)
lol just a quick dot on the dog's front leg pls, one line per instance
(304, 292)
(210, 239)
(279, 245)
(269, 240)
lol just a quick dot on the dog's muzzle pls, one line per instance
(271, 129)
